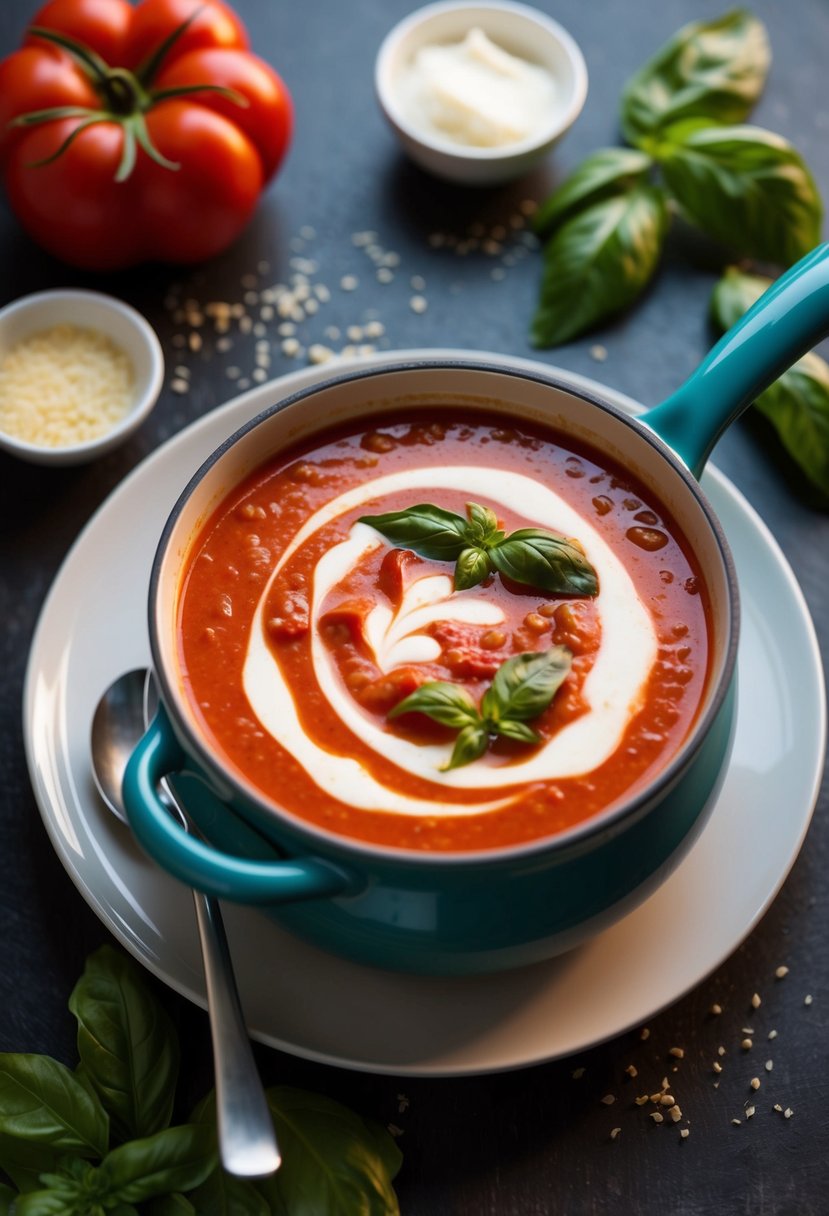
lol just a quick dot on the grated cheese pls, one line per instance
(64, 385)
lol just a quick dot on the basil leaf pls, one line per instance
(598, 263)
(525, 685)
(331, 1163)
(544, 560)
(127, 1044)
(734, 294)
(52, 1203)
(472, 567)
(175, 1159)
(171, 1205)
(471, 743)
(483, 523)
(607, 172)
(428, 530)
(438, 699)
(744, 186)
(222, 1195)
(42, 1102)
(714, 70)
(519, 731)
(797, 404)
(25, 1161)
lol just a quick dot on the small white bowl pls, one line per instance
(118, 321)
(516, 28)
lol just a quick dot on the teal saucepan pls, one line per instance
(475, 911)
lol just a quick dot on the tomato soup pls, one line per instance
(303, 627)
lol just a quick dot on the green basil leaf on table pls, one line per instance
(473, 566)
(544, 560)
(175, 1159)
(610, 171)
(714, 70)
(428, 530)
(331, 1160)
(446, 703)
(470, 744)
(746, 187)
(598, 263)
(525, 685)
(42, 1102)
(127, 1044)
(797, 404)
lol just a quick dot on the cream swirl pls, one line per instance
(612, 690)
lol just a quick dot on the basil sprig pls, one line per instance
(522, 689)
(685, 113)
(97, 1141)
(797, 404)
(478, 546)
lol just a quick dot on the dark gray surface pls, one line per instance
(536, 1141)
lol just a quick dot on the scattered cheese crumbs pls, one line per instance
(632, 1070)
(747, 1030)
(578, 1073)
(755, 1082)
(788, 1112)
(641, 1100)
(179, 385)
(384, 275)
(675, 1113)
(678, 1052)
(769, 1065)
(807, 1000)
(317, 353)
(685, 1133)
(64, 385)
(349, 282)
(614, 1132)
(657, 1116)
(755, 1001)
(736, 1122)
(720, 1051)
(644, 1033)
(781, 973)
(598, 352)
(716, 1067)
(772, 1034)
(749, 1111)
(418, 282)
(746, 1044)
(778, 1107)
(667, 1100)
(418, 304)
(608, 1099)
(290, 347)
(394, 1130)
(716, 1010)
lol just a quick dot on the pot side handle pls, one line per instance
(786, 322)
(197, 863)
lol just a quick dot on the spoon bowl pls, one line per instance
(247, 1142)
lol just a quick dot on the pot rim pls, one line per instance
(575, 839)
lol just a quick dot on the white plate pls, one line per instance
(299, 999)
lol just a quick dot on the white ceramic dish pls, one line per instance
(516, 28)
(117, 321)
(324, 1008)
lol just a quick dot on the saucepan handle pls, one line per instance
(787, 320)
(196, 862)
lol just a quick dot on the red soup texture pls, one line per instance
(443, 636)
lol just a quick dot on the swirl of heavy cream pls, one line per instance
(613, 689)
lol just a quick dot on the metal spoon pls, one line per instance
(247, 1143)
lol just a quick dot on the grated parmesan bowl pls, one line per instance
(79, 372)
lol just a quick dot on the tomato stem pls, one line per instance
(151, 66)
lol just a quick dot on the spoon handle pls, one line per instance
(247, 1142)
(787, 320)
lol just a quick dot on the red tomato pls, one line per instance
(161, 156)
